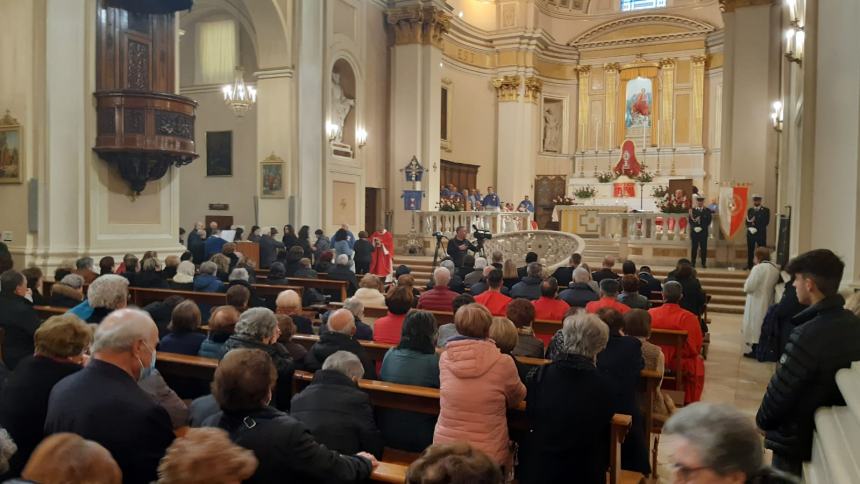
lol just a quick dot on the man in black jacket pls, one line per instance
(826, 339)
(17, 317)
(459, 246)
(523, 271)
(758, 218)
(648, 284)
(529, 287)
(606, 271)
(564, 275)
(341, 329)
(269, 246)
(104, 403)
(579, 293)
(336, 411)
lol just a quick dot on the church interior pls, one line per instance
(711, 145)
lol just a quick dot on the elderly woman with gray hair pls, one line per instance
(570, 408)
(105, 294)
(718, 444)
(258, 329)
(69, 292)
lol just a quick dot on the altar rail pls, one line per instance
(428, 223)
(650, 226)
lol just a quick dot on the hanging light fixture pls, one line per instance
(238, 96)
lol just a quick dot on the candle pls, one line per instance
(673, 132)
(658, 135)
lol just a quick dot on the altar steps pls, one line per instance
(724, 286)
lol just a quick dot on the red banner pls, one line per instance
(733, 208)
(623, 190)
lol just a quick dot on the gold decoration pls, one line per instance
(698, 99)
(584, 73)
(667, 82)
(507, 88)
(667, 63)
(614, 66)
(533, 89)
(417, 25)
(610, 138)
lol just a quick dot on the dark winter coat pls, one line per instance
(528, 287)
(20, 321)
(330, 342)
(579, 294)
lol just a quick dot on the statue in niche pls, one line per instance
(341, 105)
(551, 130)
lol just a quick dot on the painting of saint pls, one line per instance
(272, 183)
(639, 98)
(10, 156)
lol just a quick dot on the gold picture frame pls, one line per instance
(272, 177)
(11, 150)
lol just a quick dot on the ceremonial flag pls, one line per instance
(733, 207)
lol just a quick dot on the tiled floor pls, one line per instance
(729, 377)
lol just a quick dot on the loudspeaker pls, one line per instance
(33, 205)
(783, 235)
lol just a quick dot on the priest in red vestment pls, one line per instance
(381, 259)
(671, 316)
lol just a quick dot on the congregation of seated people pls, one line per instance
(80, 383)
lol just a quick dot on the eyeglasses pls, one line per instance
(684, 473)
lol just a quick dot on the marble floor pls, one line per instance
(729, 377)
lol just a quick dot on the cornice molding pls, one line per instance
(728, 6)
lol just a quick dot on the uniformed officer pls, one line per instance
(758, 217)
(700, 222)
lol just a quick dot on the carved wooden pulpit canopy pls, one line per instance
(142, 127)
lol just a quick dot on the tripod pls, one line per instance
(436, 252)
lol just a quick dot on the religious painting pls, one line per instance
(639, 105)
(11, 163)
(219, 153)
(272, 178)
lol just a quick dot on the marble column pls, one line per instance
(275, 136)
(698, 99)
(517, 143)
(416, 103)
(308, 190)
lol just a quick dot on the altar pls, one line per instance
(583, 219)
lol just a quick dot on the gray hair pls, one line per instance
(673, 291)
(121, 329)
(727, 441)
(342, 260)
(84, 263)
(355, 306)
(208, 267)
(108, 291)
(441, 276)
(186, 268)
(7, 450)
(581, 274)
(448, 264)
(257, 323)
(288, 299)
(344, 362)
(534, 269)
(480, 263)
(239, 274)
(584, 334)
(150, 264)
(73, 280)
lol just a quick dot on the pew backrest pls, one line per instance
(325, 285)
(143, 296)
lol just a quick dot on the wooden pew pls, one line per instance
(389, 472)
(46, 312)
(197, 367)
(369, 311)
(267, 290)
(143, 296)
(324, 285)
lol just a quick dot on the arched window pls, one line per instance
(217, 51)
(628, 5)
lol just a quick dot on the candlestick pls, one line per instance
(582, 165)
(672, 171)
(673, 136)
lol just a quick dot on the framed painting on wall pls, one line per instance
(272, 177)
(219, 153)
(11, 160)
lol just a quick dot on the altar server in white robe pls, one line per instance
(759, 290)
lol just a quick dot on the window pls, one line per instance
(217, 55)
(628, 5)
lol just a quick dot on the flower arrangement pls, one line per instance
(670, 204)
(451, 205)
(660, 191)
(606, 176)
(644, 176)
(587, 191)
(562, 200)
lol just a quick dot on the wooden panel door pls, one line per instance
(547, 187)
(462, 175)
(370, 210)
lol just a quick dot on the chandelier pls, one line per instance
(238, 96)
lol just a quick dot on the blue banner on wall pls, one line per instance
(412, 199)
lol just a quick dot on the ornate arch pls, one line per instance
(642, 29)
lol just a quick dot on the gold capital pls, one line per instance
(614, 66)
(507, 88)
(699, 60)
(419, 25)
(667, 63)
(533, 89)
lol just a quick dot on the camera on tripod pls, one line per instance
(481, 234)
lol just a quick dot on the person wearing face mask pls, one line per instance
(17, 317)
(104, 403)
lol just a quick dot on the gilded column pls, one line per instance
(609, 136)
(533, 87)
(667, 101)
(698, 99)
(507, 88)
(584, 75)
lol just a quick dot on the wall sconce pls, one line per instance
(361, 137)
(776, 116)
(794, 39)
(331, 130)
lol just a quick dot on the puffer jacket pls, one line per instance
(826, 339)
(477, 386)
(208, 283)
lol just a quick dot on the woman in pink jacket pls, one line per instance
(477, 386)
